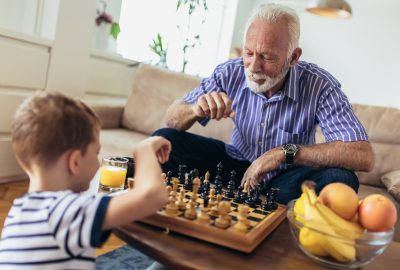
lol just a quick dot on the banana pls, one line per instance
(298, 209)
(343, 227)
(341, 249)
(311, 242)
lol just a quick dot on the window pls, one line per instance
(141, 21)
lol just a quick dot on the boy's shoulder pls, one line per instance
(50, 199)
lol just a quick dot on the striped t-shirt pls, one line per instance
(53, 230)
(310, 97)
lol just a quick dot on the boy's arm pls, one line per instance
(149, 193)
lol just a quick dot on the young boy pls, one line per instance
(54, 226)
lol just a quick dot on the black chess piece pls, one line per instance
(230, 191)
(218, 189)
(274, 197)
(206, 187)
(181, 173)
(250, 199)
(195, 173)
(188, 181)
(204, 195)
(168, 179)
(239, 196)
(219, 169)
(266, 205)
(201, 186)
(205, 202)
(270, 203)
(256, 195)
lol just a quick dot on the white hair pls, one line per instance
(273, 13)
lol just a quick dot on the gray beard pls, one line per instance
(269, 81)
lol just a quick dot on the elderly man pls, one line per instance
(275, 102)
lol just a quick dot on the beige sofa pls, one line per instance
(155, 89)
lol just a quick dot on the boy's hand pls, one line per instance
(161, 147)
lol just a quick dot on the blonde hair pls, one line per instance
(273, 13)
(48, 124)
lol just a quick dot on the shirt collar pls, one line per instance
(291, 87)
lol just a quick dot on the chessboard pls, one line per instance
(216, 218)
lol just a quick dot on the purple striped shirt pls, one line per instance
(310, 97)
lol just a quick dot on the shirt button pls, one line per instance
(259, 142)
(262, 124)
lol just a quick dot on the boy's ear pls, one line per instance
(74, 160)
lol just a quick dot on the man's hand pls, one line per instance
(216, 105)
(261, 166)
(160, 145)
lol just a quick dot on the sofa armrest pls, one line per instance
(109, 112)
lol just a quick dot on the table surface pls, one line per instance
(277, 251)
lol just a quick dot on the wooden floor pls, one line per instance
(9, 191)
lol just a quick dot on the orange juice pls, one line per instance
(112, 176)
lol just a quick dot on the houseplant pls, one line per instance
(106, 26)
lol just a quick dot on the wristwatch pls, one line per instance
(290, 150)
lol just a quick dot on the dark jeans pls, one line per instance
(205, 153)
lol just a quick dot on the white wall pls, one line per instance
(63, 60)
(361, 52)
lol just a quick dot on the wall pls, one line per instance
(63, 60)
(362, 52)
(23, 70)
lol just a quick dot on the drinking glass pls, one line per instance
(113, 173)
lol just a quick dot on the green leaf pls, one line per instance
(178, 4)
(115, 29)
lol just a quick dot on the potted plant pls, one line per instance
(106, 27)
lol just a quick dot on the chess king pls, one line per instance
(275, 101)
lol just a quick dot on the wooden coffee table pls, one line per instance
(277, 251)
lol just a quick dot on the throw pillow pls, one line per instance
(392, 182)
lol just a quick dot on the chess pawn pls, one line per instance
(171, 208)
(215, 208)
(175, 183)
(181, 203)
(203, 217)
(163, 176)
(207, 176)
(223, 221)
(190, 212)
(243, 223)
(246, 187)
(206, 183)
(212, 201)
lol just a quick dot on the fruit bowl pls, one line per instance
(365, 247)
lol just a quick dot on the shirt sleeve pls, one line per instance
(214, 83)
(76, 220)
(337, 119)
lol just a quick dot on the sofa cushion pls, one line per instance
(378, 122)
(154, 89)
(119, 142)
(392, 182)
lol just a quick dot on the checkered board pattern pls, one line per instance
(261, 223)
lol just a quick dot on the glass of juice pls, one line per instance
(113, 173)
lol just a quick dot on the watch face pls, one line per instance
(290, 149)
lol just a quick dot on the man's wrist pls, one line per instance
(289, 151)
